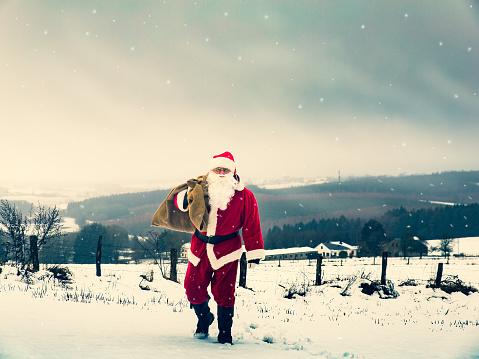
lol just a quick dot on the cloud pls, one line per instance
(114, 92)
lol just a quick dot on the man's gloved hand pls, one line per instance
(253, 263)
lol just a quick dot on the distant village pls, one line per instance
(328, 250)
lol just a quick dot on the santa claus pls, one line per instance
(215, 207)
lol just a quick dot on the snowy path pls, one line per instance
(31, 328)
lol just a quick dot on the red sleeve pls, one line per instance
(252, 236)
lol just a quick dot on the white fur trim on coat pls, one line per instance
(217, 263)
(255, 254)
(192, 258)
(212, 221)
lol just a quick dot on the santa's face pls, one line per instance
(221, 171)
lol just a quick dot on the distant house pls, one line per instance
(291, 253)
(332, 249)
(395, 249)
(184, 251)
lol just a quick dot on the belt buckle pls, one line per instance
(209, 238)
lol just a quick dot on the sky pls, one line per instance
(126, 92)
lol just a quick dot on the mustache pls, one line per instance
(214, 177)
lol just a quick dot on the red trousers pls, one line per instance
(222, 280)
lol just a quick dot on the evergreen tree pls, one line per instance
(86, 243)
(115, 243)
(372, 235)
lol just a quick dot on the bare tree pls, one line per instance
(45, 224)
(15, 226)
(154, 245)
(445, 246)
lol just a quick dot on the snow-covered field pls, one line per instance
(111, 317)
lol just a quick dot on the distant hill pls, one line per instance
(364, 197)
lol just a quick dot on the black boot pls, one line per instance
(205, 318)
(225, 322)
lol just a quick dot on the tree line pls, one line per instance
(117, 245)
(437, 223)
(56, 247)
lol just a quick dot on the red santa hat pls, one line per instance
(225, 160)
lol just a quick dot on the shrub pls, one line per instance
(63, 274)
(408, 283)
(452, 284)
(295, 289)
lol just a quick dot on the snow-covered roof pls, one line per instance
(274, 252)
(335, 246)
(344, 244)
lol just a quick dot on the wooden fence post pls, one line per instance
(34, 253)
(319, 263)
(384, 266)
(243, 268)
(98, 258)
(439, 274)
(173, 262)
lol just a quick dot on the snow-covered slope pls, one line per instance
(111, 317)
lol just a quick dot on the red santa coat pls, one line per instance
(240, 214)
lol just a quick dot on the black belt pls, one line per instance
(215, 239)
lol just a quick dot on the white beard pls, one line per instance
(220, 189)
